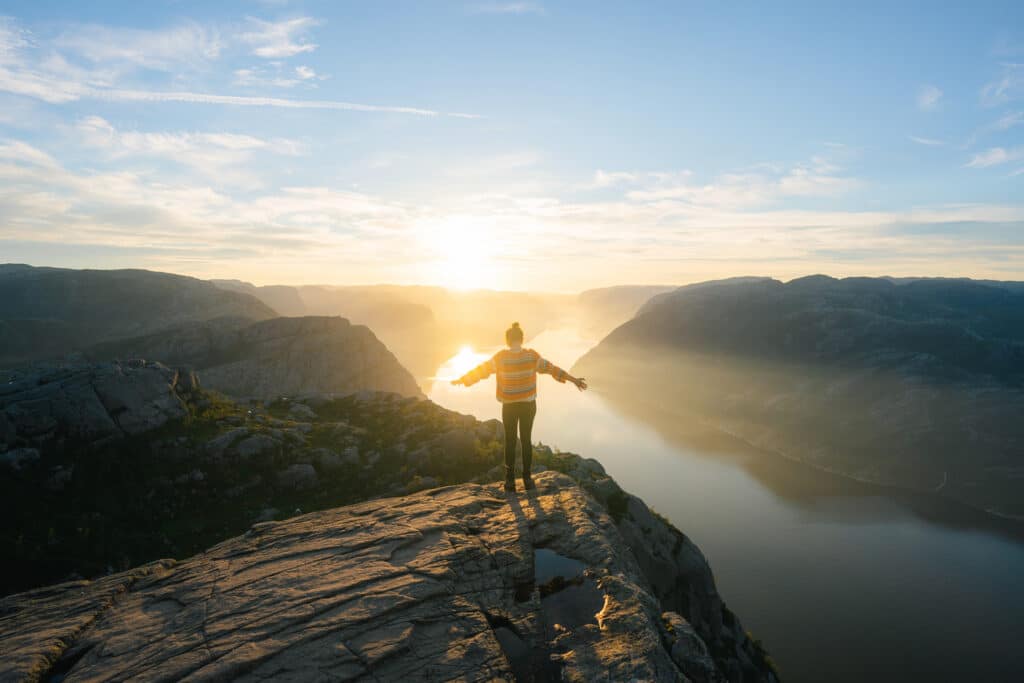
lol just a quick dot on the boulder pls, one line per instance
(298, 411)
(256, 445)
(299, 476)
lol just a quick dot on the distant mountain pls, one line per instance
(271, 358)
(408, 329)
(48, 312)
(918, 384)
(424, 326)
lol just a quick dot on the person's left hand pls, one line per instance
(580, 383)
(457, 382)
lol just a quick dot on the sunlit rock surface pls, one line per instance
(456, 583)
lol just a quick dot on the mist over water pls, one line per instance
(842, 581)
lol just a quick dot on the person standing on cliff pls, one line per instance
(516, 388)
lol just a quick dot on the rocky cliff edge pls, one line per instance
(454, 583)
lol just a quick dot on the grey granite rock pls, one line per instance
(300, 476)
(453, 583)
(87, 403)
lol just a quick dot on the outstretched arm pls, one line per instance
(482, 371)
(547, 367)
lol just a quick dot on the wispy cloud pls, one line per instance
(604, 179)
(996, 156)
(280, 39)
(224, 157)
(165, 49)
(507, 8)
(277, 77)
(930, 142)
(1009, 121)
(12, 39)
(928, 97)
(52, 79)
(1009, 86)
(763, 185)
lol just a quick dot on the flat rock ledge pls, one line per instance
(461, 583)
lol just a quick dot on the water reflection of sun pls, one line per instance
(465, 360)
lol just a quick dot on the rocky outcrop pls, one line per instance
(46, 313)
(459, 582)
(88, 404)
(277, 357)
(227, 466)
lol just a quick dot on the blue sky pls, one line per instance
(520, 145)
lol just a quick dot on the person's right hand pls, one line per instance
(457, 382)
(581, 384)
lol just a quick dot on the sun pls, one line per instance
(462, 250)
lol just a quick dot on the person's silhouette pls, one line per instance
(516, 371)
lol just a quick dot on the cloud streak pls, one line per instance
(54, 91)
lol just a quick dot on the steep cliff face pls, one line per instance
(457, 582)
(48, 312)
(277, 357)
(918, 385)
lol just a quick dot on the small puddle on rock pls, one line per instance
(567, 596)
(547, 564)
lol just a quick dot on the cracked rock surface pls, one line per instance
(439, 585)
(88, 403)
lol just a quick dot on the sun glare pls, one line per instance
(465, 360)
(462, 250)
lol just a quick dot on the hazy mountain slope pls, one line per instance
(918, 384)
(276, 357)
(423, 325)
(282, 298)
(46, 312)
(602, 310)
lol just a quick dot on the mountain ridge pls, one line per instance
(915, 385)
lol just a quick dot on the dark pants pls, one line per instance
(518, 415)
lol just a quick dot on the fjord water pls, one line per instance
(842, 581)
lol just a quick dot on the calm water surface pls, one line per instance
(842, 581)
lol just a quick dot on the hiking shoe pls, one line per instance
(510, 485)
(528, 482)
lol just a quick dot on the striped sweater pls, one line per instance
(516, 374)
